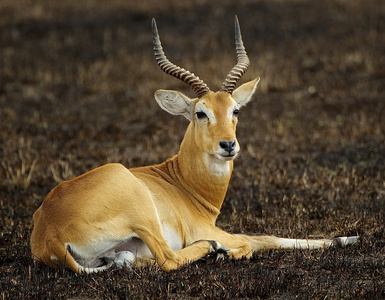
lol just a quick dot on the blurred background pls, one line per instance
(77, 80)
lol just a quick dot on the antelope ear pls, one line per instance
(175, 103)
(243, 94)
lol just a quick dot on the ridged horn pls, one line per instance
(243, 62)
(198, 86)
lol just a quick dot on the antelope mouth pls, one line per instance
(227, 156)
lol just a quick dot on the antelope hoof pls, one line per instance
(218, 250)
(344, 241)
(221, 256)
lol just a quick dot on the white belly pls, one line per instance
(96, 254)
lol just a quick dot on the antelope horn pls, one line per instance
(199, 87)
(243, 62)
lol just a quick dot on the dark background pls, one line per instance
(76, 91)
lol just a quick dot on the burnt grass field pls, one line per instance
(76, 91)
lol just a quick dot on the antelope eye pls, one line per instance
(201, 115)
(236, 112)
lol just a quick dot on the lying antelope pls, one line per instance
(166, 213)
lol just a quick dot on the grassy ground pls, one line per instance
(76, 91)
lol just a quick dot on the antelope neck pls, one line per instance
(207, 190)
(204, 173)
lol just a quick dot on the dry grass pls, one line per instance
(76, 91)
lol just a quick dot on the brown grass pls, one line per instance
(76, 91)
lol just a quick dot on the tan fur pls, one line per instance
(112, 205)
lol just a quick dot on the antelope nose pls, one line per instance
(227, 145)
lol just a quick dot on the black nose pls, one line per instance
(227, 145)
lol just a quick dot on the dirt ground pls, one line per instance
(76, 91)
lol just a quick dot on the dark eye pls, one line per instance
(236, 112)
(201, 115)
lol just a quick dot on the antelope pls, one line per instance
(162, 214)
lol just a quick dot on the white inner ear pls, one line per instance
(175, 103)
(243, 94)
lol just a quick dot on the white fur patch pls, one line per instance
(230, 110)
(200, 106)
(217, 166)
(285, 243)
(172, 237)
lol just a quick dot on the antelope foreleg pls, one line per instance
(168, 259)
(191, 253)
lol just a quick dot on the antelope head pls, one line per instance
(213, 115)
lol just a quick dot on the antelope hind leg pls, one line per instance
(266, 242)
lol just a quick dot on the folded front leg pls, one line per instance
(168, 259)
